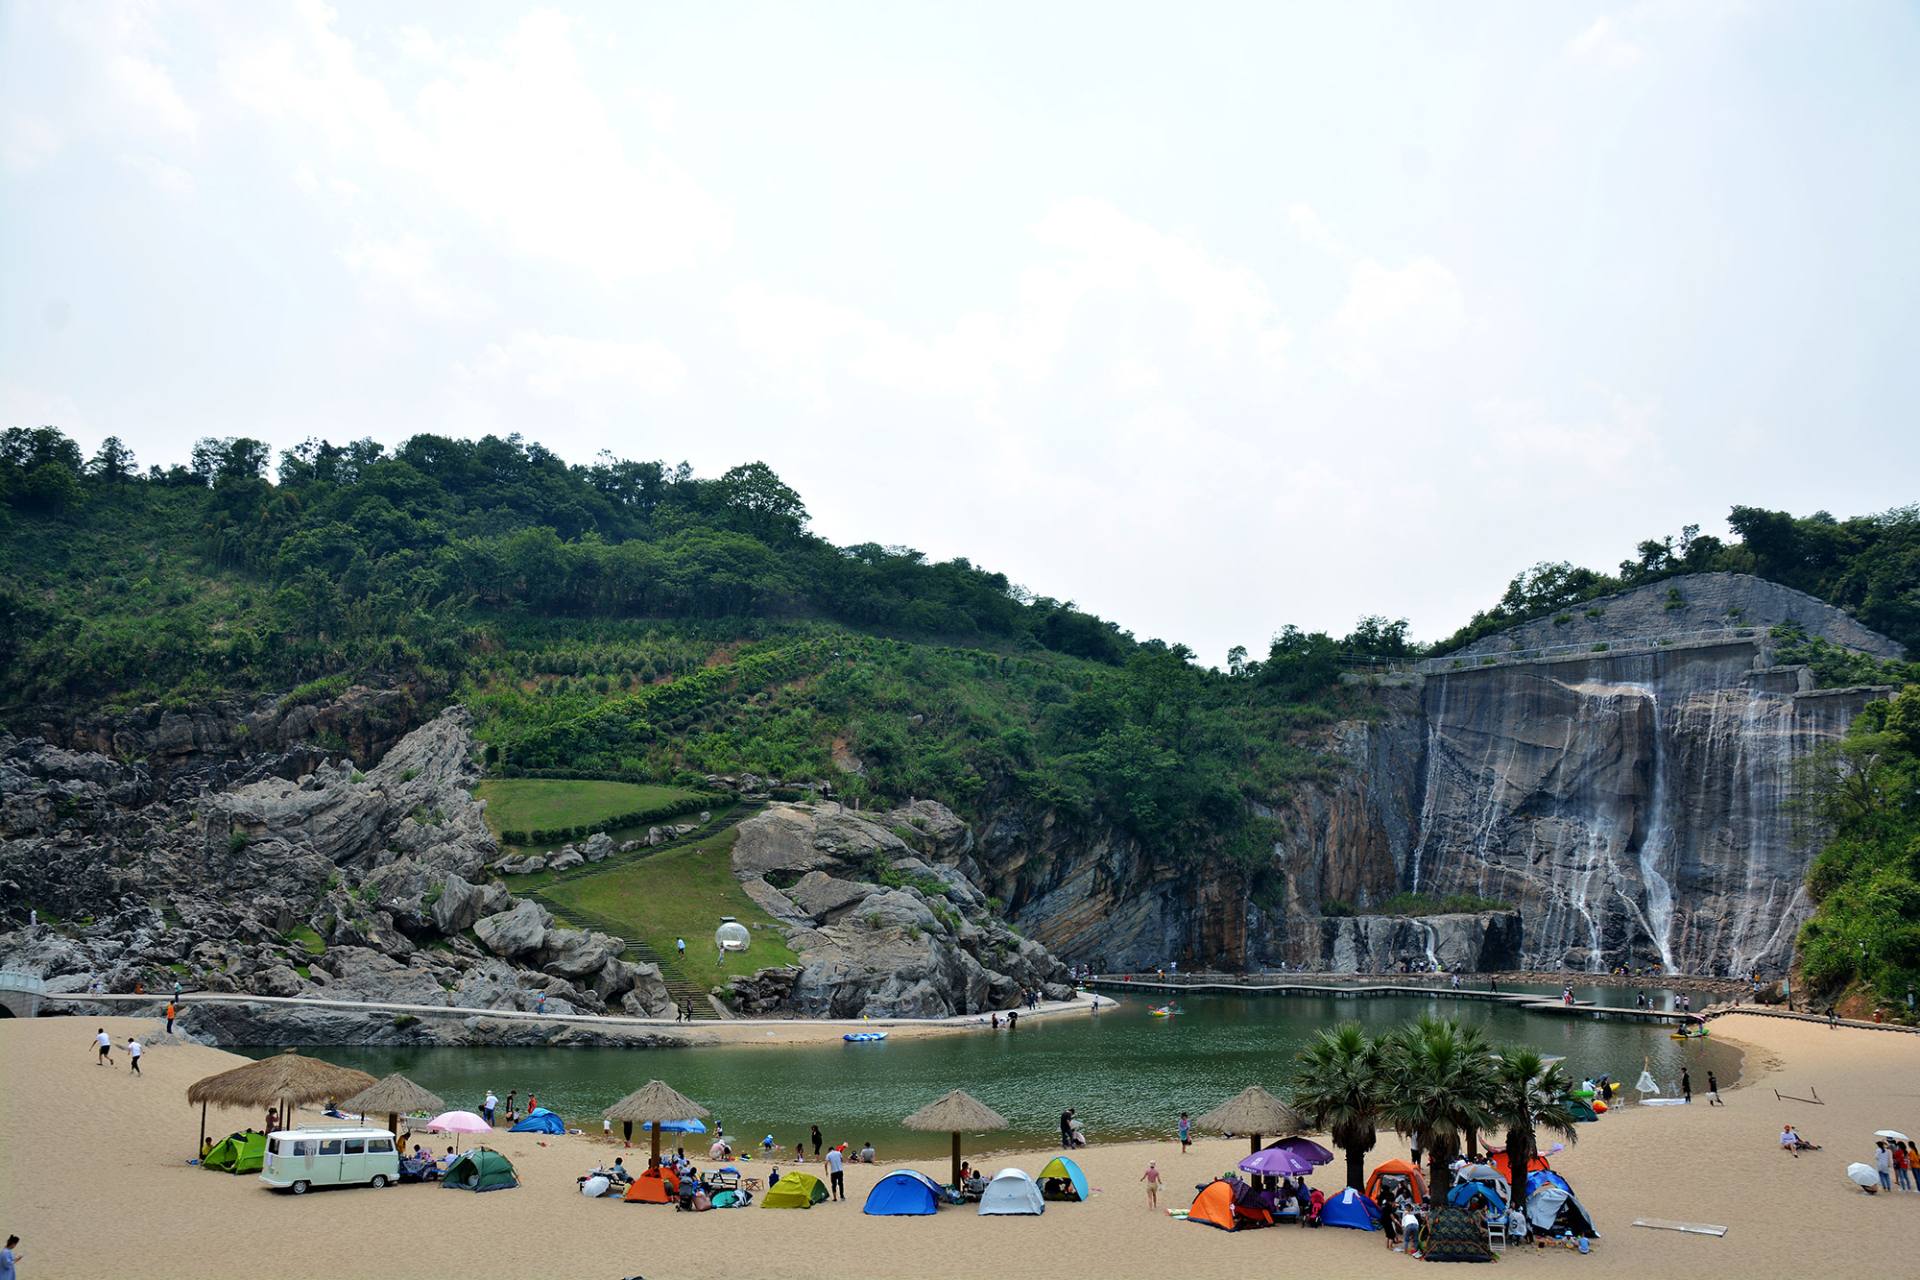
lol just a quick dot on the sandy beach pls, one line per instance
(93, 1178)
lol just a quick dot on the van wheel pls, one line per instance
(300, 1188)
(379, 1181)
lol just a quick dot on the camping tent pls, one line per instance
(1062, 1179)
(1552, 1207)
(1400, 1177)
(1482, 1182)
(539, 1120)
(1351, 1209)
(239, 1153)
(1498, 1159)
(1214, 1206)
(795, 1191)
(1452, 1235)
(1012, 1191)
(657, 1185)
(480, 1169)
(1580, 1109)
(907, 1193)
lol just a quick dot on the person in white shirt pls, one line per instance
(133, 1053)
(488, 1107)
(104, 1043)
(1410, 1230)
(836, 1174)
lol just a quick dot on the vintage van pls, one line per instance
(298, 1159)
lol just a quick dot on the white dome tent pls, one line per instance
(731, 936)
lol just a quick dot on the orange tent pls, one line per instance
(1391, 1168)
(1214, 1206)
(654, 1186)
(1498, 1159)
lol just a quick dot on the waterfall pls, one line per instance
(1659, 835)
(1436, 722)
(1433, 935)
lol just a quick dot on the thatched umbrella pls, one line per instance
(1256, 1112)
(954, 1113)
(393, 1095)
(656, 1104)
(285, 1080)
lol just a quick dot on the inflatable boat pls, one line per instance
(863, 1037)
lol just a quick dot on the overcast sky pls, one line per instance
(1208, 317)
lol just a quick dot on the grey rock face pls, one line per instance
(824, 898)
(519, 931)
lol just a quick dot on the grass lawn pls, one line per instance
(681, 893)
(537, 804)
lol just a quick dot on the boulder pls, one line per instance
(598, 847)
(458, 906)
(516, 932)
(812, 837)
(575, 953)
(566, 858)
(821, 896)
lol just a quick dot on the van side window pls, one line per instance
(308, 1146)
(380, 1146)
(356, 1146)
(329, 1146)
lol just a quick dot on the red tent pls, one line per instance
(1498, 1159)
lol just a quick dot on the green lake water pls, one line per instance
(1128, 1074)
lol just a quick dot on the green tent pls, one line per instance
(481, 1169)
(238, 1153)
(1580, 1109)
(795, 1191)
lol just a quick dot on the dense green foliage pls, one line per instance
(547, 810)
(631, 620)
(1866, 882)
(1868, 565)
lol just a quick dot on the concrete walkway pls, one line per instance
(1531, 1001)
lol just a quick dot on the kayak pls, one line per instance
(863, 1037)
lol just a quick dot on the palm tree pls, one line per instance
(1529, 1094)
(1336, 1085)
(1439, 1077)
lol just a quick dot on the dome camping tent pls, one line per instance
(1062, 1179)
(795, 1191)
(239, 1153)
(907, 1193)
(539, 1120)
(655, 1185)
(1552, 1207)
(1351, 1209)
(1011, 1191)
(480, 1169)
(1399, 1177)
(1227, 1203)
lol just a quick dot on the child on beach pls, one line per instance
(1152, 1178)
(1186, 1132)
(104, 1056)
(133, 1054)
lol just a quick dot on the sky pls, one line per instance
(1209, 318)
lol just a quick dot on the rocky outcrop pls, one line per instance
(881, 927)
(337, 881)
(1470, 943)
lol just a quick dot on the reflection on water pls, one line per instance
(1128, 1075)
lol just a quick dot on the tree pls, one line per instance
(1528, 1094)
(1439, 1077)
(113, 461)
(1336, 1083)
(229, 458)
(766, 505)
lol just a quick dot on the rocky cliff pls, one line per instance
(336, 882)
(1624, 777)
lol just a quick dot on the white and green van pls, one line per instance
(298, 1159)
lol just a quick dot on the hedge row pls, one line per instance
(651, 813)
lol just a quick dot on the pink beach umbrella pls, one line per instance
(458, 1122)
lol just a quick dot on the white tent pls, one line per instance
(1012, 1191)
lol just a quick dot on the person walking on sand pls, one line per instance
(1186, 1133)
(170, 1011)
(488, 1107)
(1152, 1178)
(1686, 1086)
(103, 1043)
(1713, 1091)
(814, 1133)
(133, 1054)
(836, 1173)
(9, 1256)
(1883, 1165)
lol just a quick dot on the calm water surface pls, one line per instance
(1128, 1074)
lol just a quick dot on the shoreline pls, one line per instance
(170, 1221)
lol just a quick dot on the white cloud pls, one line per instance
(27, 140)
(1605, 44)
(168, 178)
(1391, 314)
(146, 91)
(1614, 442)
(1312, 230)
(405, 271)
(598, 378)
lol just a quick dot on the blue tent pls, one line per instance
(1350, 1209)
(675, 1126)
(1551, 1205)
(907, 1193)
(539, 1120)
(1059, 1170)
(1463, 1194)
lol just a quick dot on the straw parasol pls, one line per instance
(394, 1095)
(1254, 1111)
(954, 1113)
(285, 1080)
(657, 1103)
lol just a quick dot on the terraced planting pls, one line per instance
(528, 805)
